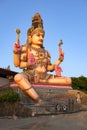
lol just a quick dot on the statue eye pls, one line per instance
(43, 35)
(38, 34)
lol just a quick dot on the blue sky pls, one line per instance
(63, 19)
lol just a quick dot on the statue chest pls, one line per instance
(39, 57)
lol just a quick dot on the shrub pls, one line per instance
(9, 96)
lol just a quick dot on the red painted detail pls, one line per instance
(14, 84)
(51, 86)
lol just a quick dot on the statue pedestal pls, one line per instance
(51, 86)
(50, 90)
(45, 91)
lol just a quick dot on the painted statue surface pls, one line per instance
(36, 61)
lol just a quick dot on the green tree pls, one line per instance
(80, 83)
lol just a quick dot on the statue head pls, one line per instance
(37, 25)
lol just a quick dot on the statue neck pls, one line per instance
(35, 46)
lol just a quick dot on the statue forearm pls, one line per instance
(18, 62)
(52, 67)
(17, 52)
(58, 62)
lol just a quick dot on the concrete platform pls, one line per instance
(76, 121)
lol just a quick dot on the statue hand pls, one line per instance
(17, 46)
(61, 56)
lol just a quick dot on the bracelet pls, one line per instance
(60, 60)
(17, 52)
(17, 46)
(27, 89)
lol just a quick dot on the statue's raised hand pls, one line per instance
(17, 46)
(61, 53)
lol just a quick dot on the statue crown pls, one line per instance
(37, 24)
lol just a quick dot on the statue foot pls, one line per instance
(41, 103)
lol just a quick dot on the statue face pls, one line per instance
(37, 38)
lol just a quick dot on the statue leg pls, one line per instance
(25, 85)
(59, 80)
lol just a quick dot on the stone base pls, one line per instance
(8, 109)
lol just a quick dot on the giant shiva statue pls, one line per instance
(36, 61)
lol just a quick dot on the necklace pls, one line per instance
(37, 49)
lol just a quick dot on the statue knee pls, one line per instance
(17, 77)
(68, 80)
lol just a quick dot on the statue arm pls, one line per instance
(20, 53)
(52, 66)
(20, 56)
(16, 55)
